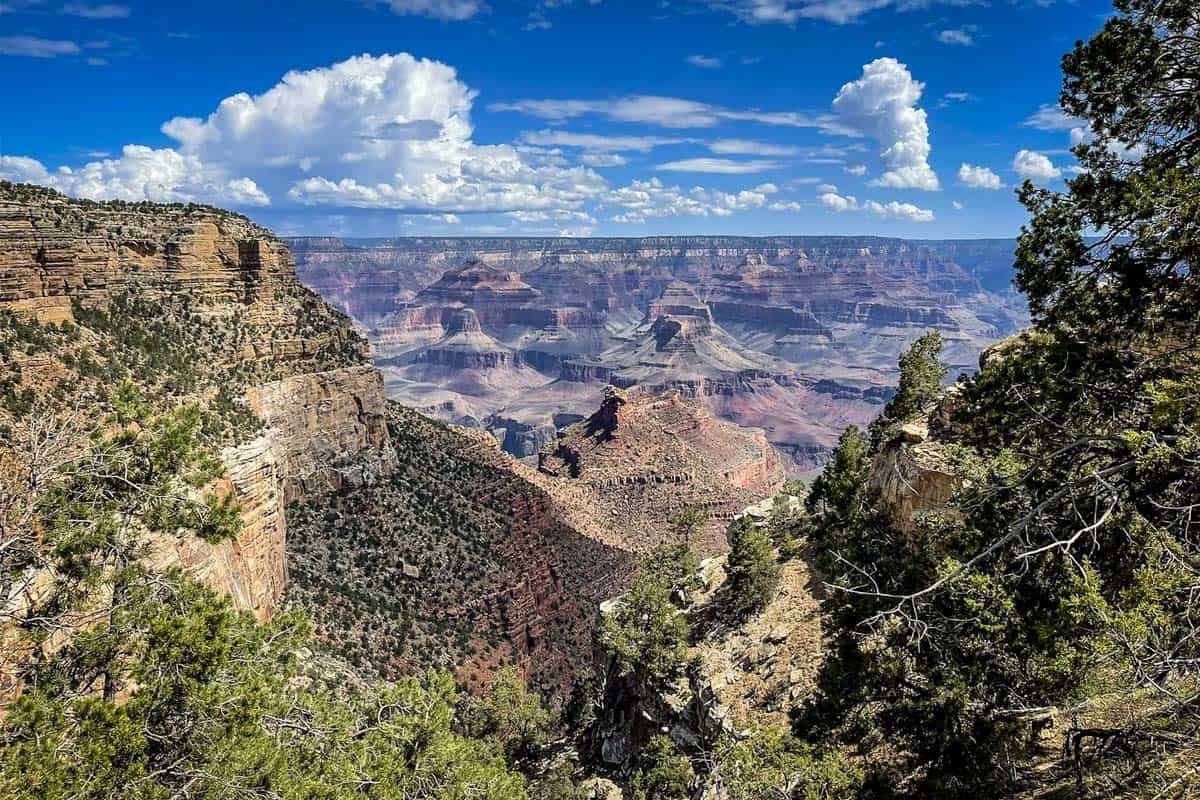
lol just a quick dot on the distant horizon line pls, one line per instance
(345, 237)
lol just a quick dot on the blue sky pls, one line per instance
(547, 117)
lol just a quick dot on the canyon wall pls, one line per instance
(412, 544)
(796, 335)
(365, 276)
(303, 368)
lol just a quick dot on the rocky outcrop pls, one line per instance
(327, 430)
(751, 675)
(518, 438)
(303, 368)
(638, 459)
(740, 675)
(679, 300)
(914, 473)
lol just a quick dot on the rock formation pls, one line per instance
(412, 545)
(913, 475)
(640, 458)
(796, 334)
(234, 283)
(679, 346)
(743, 675)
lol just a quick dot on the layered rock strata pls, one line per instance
(639, 459)
(828, 315)
(302, 366)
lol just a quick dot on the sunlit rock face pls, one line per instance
(796, 335)
(641, 457)
(323, 406)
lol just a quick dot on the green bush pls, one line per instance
(663, 773)
(647, 633)
(511, 716)
(773, 763)
(752, 569)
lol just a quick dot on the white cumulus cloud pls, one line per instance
(1034, 167)
(641, 200)
(388, 132)
(1085, 135)
(883, 104)
(141, 173)
(977, 177)
(891, 210)
(1053, 118)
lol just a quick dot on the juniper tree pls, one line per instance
(1070, 563)
(664, 773)
(752, 569)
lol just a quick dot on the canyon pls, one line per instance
(412, 544)
(795, 335)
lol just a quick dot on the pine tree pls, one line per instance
(1068, 564)
(752, 569)
(921, 376)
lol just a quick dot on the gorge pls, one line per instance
(796, 335)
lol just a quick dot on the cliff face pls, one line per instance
(365, 277)
(641, 458)
(56, 250)
(328, 430)
(251, 568)
(218, 295)
(803, 331)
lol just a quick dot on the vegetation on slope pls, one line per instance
(172, 349)
(429, 567)
(1065, 574)
(653, 694)
(348, 554)
(143, 684)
